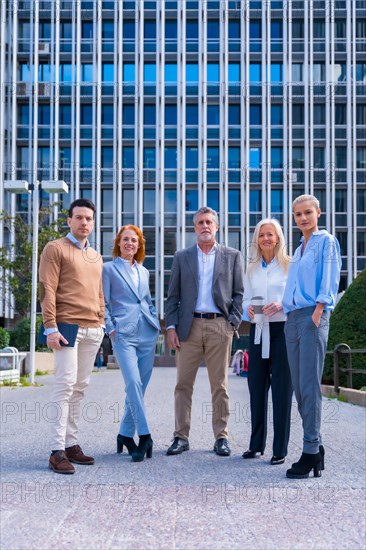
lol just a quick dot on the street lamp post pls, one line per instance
(22, 186)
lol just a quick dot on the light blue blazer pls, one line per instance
(124, 303)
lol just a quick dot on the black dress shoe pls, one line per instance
(251, 454)
(302, 468)
(145, 447)
(277, 460)
(221, 447)
(128, 442)
(178, 446)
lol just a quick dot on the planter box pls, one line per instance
(44, 361)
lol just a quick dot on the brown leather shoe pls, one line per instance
(60, 464)
(75, 454)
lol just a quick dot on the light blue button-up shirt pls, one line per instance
(314, 275)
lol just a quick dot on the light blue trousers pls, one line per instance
(135, 356)
(306, 346)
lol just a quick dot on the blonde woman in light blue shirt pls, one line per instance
(309, 297)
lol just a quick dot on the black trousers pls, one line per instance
(263, 374)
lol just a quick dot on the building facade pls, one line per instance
(155, 108)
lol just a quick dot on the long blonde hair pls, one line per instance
(281, 255)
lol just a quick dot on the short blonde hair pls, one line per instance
(281, 255)
(303, 198)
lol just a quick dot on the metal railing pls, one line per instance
(345, 350)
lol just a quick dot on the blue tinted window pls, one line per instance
(86, 114)
(192, 29)
(276, 157)
(276, 29)
(149, 115)
(149, 72)
(192, 114)
(65, 72)
(129, 30)
(170, 200)
(87, 72)
(86, 157)
(128, 157)
(191, 200)
(128, 115)
(107, 157)
(276, 200)
(107, 29)
(192, 157)
(234, 114)
(234, 200)
(107, 114)
(213, 157)
(108, 72)
(23, 114)
(150, 29)
(170, 29)
(213, 199)
(212, 72)
(255, 73)
(255, 200)
(170, 157)
(149, 200)
(234, 72)
(276, 115)
(276, 72)
(255, 115)
(87, 29)
(128, 72)
(149, 157)
(171, 115)
(191, 72)
(213, 115)
(171, 72)
(43, 114)
(234, 29)
(213, 29)
(255, 29)
(234, 157)
(255, 157)
(65, 114)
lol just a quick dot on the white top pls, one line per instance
(133, 272)
(206, 265)
(268, 281)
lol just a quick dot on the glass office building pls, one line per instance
(155, 108)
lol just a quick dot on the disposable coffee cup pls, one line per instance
(258, 304)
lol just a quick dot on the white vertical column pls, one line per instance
(289, 122)
(310, 74)
(181, 126)
(329, 90)
(117, 117)
(331, 204)
(76, 80)
(224, 133)
(354, 149)
(202, 104)
(285, 118)
(138, 175)
(266, 91)
(97, 99)
(306, 98)
(55, 94)
(245, 131)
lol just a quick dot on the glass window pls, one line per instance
(191, 157)
(319, 72)
(234, 115)
(86, 114)
(171, 72)
(255, 29)
(213, 29)
(66, 30)
(297, 69)
(255, 115)
(23, 114)
(361, 157)
(340, 114)
(87, 30)
(171, 115)
(213, 199)
(234, 72)
(128, 157)
(361, 114)
(276, 28)
(86, 157)
(297, 29)
(276, 72)
(276, 157)
(234, 157)
(107, 157)
(170, 157)
(128, 200)
(129, 30)
(340, 28)
(43, 114)
(341, 157)
(298, 157)
(276, 115)
(149, 72)
(297, 114)
(318, 29)
(191, 200)
(234, 30)
(149, 200)
(128, 113)
(340, 72)
(213, 115)
(213, 72)
(149, 114)
(170, 200)
(341, 200)
(192, 29)
(150, 29)
(87, 72)
(361, 72)
(108, 29)
(192, 72)
(276, 200)
(149, 157)
(255, 72)
(234, 200)
(65, 114)
(318, 157)
(43, 157)
(191, 114)
(319, 114)
(65, 72)
(107, 72)
(255, 200)
(213, 157)
(128, 72)
(255, 157)
(171, 29)
(107, 114)
(44, 72)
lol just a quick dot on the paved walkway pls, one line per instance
(193, 501)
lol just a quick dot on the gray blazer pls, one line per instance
(227, 287)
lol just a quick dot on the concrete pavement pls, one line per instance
(193, 501)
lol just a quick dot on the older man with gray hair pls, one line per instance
(203, 310)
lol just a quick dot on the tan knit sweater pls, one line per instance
(71, 285)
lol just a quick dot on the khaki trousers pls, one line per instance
(73, 367)
(210, 339)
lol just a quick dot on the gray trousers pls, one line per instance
(306, 346)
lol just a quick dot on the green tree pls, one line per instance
(348, 326)
(16, 259)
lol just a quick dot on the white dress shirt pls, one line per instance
(269, 281)
(206, 265)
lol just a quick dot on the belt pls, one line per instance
(207, 315)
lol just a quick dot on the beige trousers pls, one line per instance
(73, 367)
(210, 339)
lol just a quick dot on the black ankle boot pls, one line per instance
(128, 442)
(322, 453)
(145, 446)
(307, 462)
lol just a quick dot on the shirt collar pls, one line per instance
(315, 233)
(265, 265)
(76, 242)
(212, 251)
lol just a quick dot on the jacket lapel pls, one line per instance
(192, 262)
(220, 263)
(123, 272)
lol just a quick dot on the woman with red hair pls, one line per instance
(133, 327)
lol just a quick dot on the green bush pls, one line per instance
(20, 336)
(4, 338)
(348, 326)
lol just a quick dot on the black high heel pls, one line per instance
(145, 446)
(322, 453)
(128, 442)
(302, 468)
(251, 454)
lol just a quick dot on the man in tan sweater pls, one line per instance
(70, 277)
